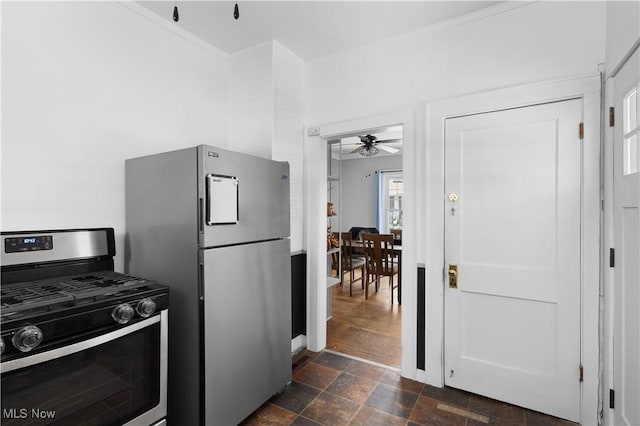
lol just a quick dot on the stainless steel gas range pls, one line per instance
(81, 344)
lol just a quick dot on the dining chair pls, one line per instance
(379, 253)
(358, 231)
(397, 235)
(351, 262)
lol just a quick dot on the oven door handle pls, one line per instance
(38, 358)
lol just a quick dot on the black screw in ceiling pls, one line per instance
(236, 11)
(176, 16)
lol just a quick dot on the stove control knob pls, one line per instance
(1, 345)
(122, 313)
(146, 307)
(27, 338)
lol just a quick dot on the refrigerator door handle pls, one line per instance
(200, 221)
(201, 281)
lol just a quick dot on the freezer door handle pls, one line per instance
(200, 215)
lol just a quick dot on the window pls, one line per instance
(390, 191)
(630, 129)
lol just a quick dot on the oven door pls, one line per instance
(112, 379)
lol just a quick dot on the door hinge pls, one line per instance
(612, 116)
(612, 398)
(612, 258)
(581, 131)
(581, 368)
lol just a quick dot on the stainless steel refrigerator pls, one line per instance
(213, 225)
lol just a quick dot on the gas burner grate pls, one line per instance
(65, 290)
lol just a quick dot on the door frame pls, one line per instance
(315, 231)
(609, 314)
(587, 88)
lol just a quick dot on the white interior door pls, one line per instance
(512, 325)
(626, 195)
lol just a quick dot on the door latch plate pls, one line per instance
(453, 276)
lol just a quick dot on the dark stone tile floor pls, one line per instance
(332, 390)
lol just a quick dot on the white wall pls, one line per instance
(359, 189)
(513, 44)
(288, 131)
(623, 30)
(266, 103)
(528, 43)
(251, 100)
(86, 85)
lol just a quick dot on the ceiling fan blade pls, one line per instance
(388, 149)
(356, 150)
(389, 141)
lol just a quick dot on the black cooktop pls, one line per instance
(48, 294)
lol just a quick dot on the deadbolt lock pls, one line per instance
(453, 197)
(453, 276)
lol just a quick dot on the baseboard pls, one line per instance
(298, 343)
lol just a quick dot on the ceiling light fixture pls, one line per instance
(368, 151)
(176, 16)
(236, 12)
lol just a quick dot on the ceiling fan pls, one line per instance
(370, 146)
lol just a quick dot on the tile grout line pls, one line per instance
(306, 418)
(327, 387)
(377, 383)
(313, 387)
(415, 405)
(308, 403)
(356, 413)
(469, 414)
(360, 406)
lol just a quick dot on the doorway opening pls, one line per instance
(364, 190)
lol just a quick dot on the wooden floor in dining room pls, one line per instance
(368, 329)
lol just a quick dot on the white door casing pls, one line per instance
(626, 282)
(512, 326)
(316, 186)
